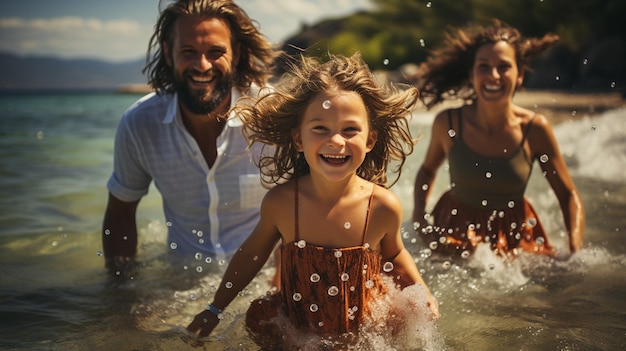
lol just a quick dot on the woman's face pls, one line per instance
(495, 75)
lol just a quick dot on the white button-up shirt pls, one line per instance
(208, 210)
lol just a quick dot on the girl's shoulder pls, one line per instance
(280, 193)
(386, 200)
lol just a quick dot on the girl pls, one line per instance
(490, 144)
(334, 131)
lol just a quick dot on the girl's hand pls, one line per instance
(204, 322)
(433, 305)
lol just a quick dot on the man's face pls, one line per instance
(202, 58)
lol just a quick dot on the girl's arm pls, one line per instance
(243, 267)
(545, 147)
(404, 272)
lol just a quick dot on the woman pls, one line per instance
(491, 145)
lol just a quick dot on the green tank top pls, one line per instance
(487, 182)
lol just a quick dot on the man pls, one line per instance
(203, 56)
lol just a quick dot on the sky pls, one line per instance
(119, 30)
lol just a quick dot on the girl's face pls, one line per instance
(495, 74)
(334, 134)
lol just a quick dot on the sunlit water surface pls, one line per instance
(55, 158)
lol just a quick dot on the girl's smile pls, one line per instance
(334, 134)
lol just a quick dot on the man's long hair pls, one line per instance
(256, 55)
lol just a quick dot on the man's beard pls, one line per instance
(196, 101)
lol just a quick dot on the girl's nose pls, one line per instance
(336, 140)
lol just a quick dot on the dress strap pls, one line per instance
(297, 233)
(451, 125)
(527, 130)
(367, 215)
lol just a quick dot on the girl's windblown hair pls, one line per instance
(273, 118)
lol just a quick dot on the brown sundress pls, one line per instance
(324, 291)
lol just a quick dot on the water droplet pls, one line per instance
(543, 158)
(424, 187)
(557, 78)
(99, 253)
(208, 260)
(386, 62)
(488, 175)
(199, 269)
(107, 232)
(574, 113)
(221, 262)
(321, 324)
(173, 245)
(501, 214)
(429, 4)
(388, 267)
(513, 225)
(446, 264)
(511, 204)
(366, 245)
(465, 254)
(337, 253)
(168, 224)
(255, 258)
(228, 285)
(593, 128)
(369, 284)
(347, 225)
(416, 225)
(326, 104)
(451, 133)
(484, 202)
(585, 61)
(315, 277)
(297, 297)
(471, 226)
(433, 245)
(345, 277)
(198, 256)
(333, 291)
(532, 222)
(454, 211)
(540, 240)
(313, 307)
(199, 233)
(613, 84)
(301, 244)
(422, 43)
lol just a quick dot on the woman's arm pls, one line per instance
(544, 147)
(425, 178)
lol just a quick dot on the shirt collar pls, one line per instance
(172, 113)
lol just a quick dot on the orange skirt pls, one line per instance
(457, 229)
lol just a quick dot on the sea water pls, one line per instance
(55, 159)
